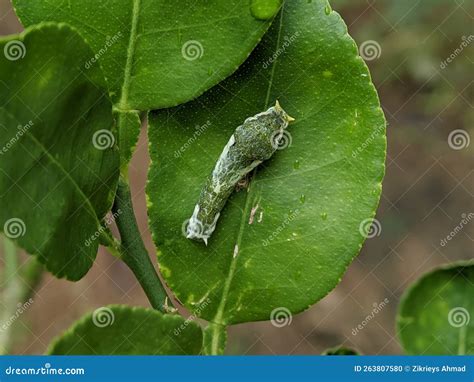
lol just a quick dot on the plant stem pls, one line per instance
(31, 276)
(11, 262)
(10, 287)
(14, 292)
(133, 251)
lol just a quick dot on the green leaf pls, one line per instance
(157, 54)
(58, 165)
(129, 128)
(122, 330)
(296, 227)
(436, 314)
(340, 350)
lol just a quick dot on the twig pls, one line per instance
(133, 252)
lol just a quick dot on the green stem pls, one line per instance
(133, 251)
(31, 275)
(462, 340)
(10, 287)
(15, 293)
(11, 262)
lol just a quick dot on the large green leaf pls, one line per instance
(58, 164)
(122, 330)
(307, 202)
(436, 314)
(158, 53)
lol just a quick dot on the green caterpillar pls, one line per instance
(253, 142)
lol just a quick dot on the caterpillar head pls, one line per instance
(261, 135)
(283, 114)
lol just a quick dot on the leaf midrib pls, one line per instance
(123, 102)
(248, 202)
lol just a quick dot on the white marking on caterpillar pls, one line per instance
(197, 230)
(252, 214)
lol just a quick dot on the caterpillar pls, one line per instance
(253, 142)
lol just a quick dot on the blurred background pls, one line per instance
(421, 55)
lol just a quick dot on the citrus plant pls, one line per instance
(77, 85)
(435, 313)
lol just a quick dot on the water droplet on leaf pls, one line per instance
(264, 9)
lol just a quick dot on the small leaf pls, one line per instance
(340, 350)
(58, 162)
(283, 241)
(122, 330)
(436, 313)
